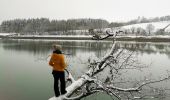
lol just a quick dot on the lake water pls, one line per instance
(26, 75)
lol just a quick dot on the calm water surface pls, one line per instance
(25, 74)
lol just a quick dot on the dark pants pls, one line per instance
(59, 75)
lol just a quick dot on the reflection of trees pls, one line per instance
(71, 47)
(33, 47)
(44, 47)
(148, 48)
(159, 46)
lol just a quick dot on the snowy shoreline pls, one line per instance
(158, 38)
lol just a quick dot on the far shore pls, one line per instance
(83, 37)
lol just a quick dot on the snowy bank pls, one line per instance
(7, 34)
(157, 26)
(156, 38)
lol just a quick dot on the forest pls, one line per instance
(41, 25)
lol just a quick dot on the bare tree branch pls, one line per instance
(70, 77)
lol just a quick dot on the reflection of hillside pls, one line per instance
(41, 47)
(149, 48)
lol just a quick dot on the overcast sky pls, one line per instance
(111, 10)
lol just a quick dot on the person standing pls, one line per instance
(57, 62)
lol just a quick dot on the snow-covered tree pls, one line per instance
(118, 62)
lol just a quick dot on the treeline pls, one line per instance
(45, 25)
(147, 20)
(140, 20)
(41, 25)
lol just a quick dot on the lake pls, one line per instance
(26, 75)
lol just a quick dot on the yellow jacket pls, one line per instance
(57, 61)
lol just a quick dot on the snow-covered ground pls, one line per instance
(55, 36)
(6, 34)
(157, 25)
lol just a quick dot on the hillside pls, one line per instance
(157, 26)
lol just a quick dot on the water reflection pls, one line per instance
(146, 47)
(37, 47)
(71, 47)
(26, 51)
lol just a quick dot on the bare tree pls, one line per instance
(150, 28)
(133, 30)
(138, 30)
(119, 61)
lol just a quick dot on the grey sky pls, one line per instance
(111, 10)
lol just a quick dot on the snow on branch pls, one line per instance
(96, 36)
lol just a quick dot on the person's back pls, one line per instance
(57, 61)
(58, 64)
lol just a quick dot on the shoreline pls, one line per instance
(118, 38)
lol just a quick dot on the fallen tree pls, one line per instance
(117, 61)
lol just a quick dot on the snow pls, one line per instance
(157, 25)
(76, 84)
(55, 35)
(6, 34)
